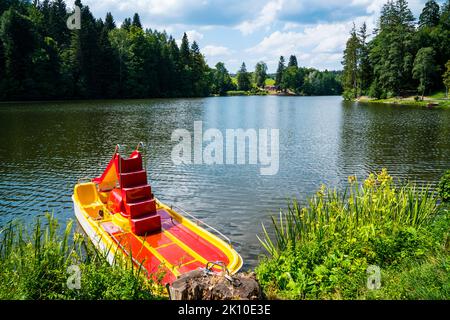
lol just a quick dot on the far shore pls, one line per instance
(435, 101)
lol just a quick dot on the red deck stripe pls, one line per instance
(195, 242)
(175, 255)
(139, 252)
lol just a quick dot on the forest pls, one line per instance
(403, 56)
(42, 59)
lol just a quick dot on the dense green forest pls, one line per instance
(41, 58)
(404, 56)
(306, 81)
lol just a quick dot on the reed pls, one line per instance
(323, 250)
(358, 208)
(35, 264)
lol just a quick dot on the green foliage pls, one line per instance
(237, 93)
(260, 74)
(35, 266)
(400, 57)
(350, 63)
(444, 187)
(446, 76)
(424, 68)
(293, 61)
(292, 79)
(280, 70)
(320, 82)
(375, 91)
(349, 94)
(243, 79)
(322, 251)
(430, 15)
(222, 81)
(40, 58)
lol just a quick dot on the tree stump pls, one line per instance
(201, 285)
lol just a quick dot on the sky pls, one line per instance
(236, 31)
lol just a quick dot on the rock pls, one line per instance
(200, 285)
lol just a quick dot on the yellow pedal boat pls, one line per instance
(121, 216)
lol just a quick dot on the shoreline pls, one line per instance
(428, 102)
(159, 98)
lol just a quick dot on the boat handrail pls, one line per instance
(204, 223)
(118, 148)
(140, 144)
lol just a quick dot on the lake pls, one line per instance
(46, 147)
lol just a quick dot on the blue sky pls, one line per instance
(234, 31)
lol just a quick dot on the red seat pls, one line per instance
(139, 209)
(115, 201)
(133, 179)
(136, 194)
(135, 199)
(132, 164)
(146, 225)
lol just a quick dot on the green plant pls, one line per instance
(444, 187)
(323, 250)
(35, 266)
(349, 94)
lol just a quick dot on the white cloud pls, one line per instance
(291, 25)
(152, 7)
(266, 16)
(314, 30)
(320, 45)
(194, 35)
(214, 51)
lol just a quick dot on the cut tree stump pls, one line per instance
(201, 285)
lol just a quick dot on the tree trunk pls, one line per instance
(198, 285)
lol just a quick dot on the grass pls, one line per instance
(436, 98)
(238, 93)
(323, 251)
(35, 265)
(270, 82)
(438, 95)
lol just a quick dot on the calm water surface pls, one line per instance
(46, 147)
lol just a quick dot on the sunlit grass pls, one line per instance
(322, 250)
(34, 265)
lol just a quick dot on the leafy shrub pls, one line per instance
(322, 251)
(374, 91)
(444, 187)
(349, 94)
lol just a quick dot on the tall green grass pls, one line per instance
(323, 250)
(34, 265)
